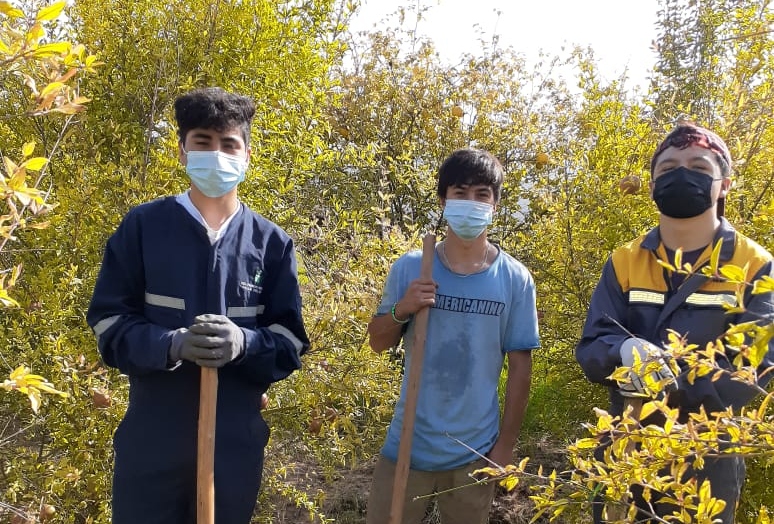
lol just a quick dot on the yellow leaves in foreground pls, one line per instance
(5, 298)
(14, 186)
(508, 475)
(31, 385)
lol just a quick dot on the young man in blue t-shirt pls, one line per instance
(482, 309)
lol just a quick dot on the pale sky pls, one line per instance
(619, 31)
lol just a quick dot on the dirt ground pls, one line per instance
(343, 496)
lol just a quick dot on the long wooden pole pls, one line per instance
(205, 459)
(412, 389)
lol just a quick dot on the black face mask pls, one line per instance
(682, 193)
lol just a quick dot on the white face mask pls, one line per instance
(467, 218)
(214, 173)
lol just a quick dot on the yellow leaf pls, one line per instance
(6, 300)
(10, 167)
(733, 273)
(665, 265)
(18, 178)
(509, 482)
(10, 11)
(51, 88)
(679, 257)
(35, 164)
(28, 148)
(35, 33)
(489, 471)
(764, 406)
(648, 408)
(715, 258)
(51, 12)
(586, 443)
(69, 109)
(763, 285)
(19, 372)
(34, 396)
(39, 225)
(46, 50)
(48, 388)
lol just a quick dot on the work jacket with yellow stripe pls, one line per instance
(634, 297)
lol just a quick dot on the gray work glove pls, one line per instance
(224, 339)
(648, 354)
(187, 345)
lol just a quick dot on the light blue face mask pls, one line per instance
(467, 218)
(215, 173)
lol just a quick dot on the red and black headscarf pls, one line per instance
(687, 135)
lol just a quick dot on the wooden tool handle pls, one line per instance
(412, 389)
(205, 459)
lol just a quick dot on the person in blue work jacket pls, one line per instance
(637, 300)
(190, 280)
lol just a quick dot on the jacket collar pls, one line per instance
(726, 231)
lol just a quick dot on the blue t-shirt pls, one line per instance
(476, 319)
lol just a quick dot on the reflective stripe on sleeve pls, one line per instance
(105, 324)
(285, 332)
(646, 297)
(164, 301)
(710, 299)
(248, 311)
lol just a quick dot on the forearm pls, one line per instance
(516, 396)
(384, 332)
(133, 345)
(271, 354)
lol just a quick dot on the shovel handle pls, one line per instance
(412, 389)
(205, 459)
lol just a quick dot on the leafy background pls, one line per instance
(348, 133)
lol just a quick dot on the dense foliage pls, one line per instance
(348, 133)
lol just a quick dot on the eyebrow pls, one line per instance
(702, 157)
(198, 135)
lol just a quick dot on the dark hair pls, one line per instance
(689, 134)
(468, 167)
(213, 108)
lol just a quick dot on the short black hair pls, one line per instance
(213, 108)
(468, 167)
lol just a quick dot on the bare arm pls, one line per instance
(516, 397)
(384, 331)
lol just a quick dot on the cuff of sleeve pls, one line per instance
(243, 354)
(173, 356)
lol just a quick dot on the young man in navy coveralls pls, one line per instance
(191, 280)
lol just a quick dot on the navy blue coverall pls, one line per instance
(158, 273)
